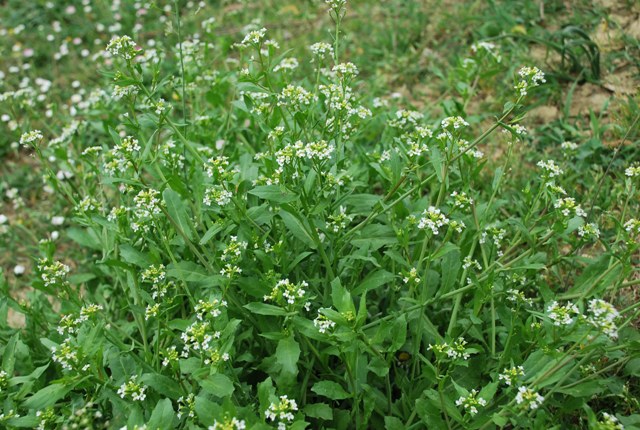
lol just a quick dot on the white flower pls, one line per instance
(287, 64)
(133, 390)
(530, 77)
(57, 220)
(590, 230)
(562, 315)
(30, 137)
(323, 324)
(471, 402)
(529, 398)
(568, 207)
(252, 38)
(511, 375)
(551, 169)
(433, 220)
(603, 316)
(454, 122)
(122, 46)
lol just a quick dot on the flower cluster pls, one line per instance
(133, 390)
(53, 272)
(550, 169)
(406, 119)
(287, 64)
(147, 206)
(603, 316)
(510, 375)
(231, 423)
(339, 221)
(433, 219)
(321, 50)
(122, 46)
(233, 251)
(496, 235)
(608, 422)
(568, 207)
(528, 398)
(633, 171)
(488, 48)
(286, 292)
(209, 309)
(4, 380)
(218, 168)
(454, 351)
(253, 38)
(530, 77)
(471, 402)
(295, 97)
(453, 123)
(589, 231)
(282, 411)
(66, 354)
(562, 315)
(411, 277)
(323, 324)
(187, 406)
(122, 92)
(154, 274)
(632, 227)
(217, 195)
(461, 200)
(31, 137)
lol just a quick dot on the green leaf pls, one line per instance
(318, 410)
(393, 423)
(274, 193)
(488, 391)
(287, 355)
(341, 297)
(374, 280)
(215, 229)
(450, 267)
(331, 390)
(189, 271)
(135, 257)
(398, 333)
(48, 396)
(81, 278)
(218, 385)
(265, 392)
(84, 237)
(297, 228)
(298, 259)
(9, 354)
(499, 420)
(162, 416)
(162, 384)
(362, 203)
(265, 309)
(584, 389)
(436, 161)
(178, 212)
(496, 178)
(206, 410)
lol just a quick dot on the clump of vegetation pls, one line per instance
(261, 242)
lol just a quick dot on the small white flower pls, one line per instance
(529, 398)
(31, 137)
